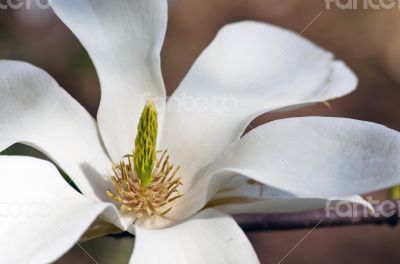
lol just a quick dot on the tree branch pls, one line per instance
(386, 213)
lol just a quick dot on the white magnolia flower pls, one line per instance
(286, 165)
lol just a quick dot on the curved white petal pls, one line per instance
(208, 237)
(308, 157)
(34, 110)
(124, 39)
(243, 195)
(320, 156)
(42, 217)
(250, 68)
(292, 205)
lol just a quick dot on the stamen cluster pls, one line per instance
(145, 200)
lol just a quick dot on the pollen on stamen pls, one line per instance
(144, 201)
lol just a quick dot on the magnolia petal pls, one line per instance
(249, 69)
(292, 205)
(242, 195)
(42, 217)
(208, 237)
(326, 157)
(124, 39)
(307, 157)
(35, 111)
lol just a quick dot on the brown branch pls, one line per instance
(386, 213)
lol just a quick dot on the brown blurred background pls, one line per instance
(368, 40)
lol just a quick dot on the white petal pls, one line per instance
(249, 69)
(124, 39)
(209, 237)
(34, 110)
(243, 195)
(42, 217)
(320, 156)
(308, 157)
(291, 205)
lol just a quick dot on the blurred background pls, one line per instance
(367, 40)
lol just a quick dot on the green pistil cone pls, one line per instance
(145, 144)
